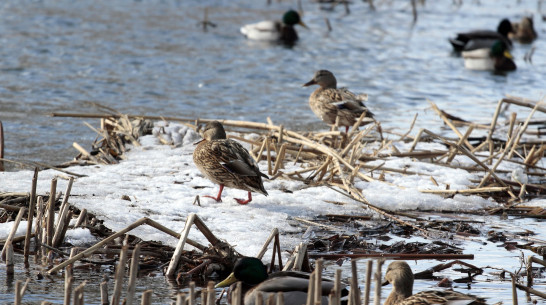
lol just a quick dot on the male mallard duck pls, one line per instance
(524, 31)
(400, 276)
(483, 38)
(253, 274)
(275, 30)
(226, 162)
(497, 58)
(330, 103)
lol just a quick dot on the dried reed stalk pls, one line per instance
(450, 124)
(355, 290)
(468, 191)
(147, 297)
(368, 283)
(11, 234)
(133, 272)
(180, 246)
(51, 212)
(8, 257)
(120, 274)
(274, 232)
(337, 287)
(30, 217)
(318, 281)
(378, 281)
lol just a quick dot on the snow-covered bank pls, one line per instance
(162, 182)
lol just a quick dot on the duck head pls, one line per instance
(214, 131)
(323, 78)
(399, 274)
(505, 27)
(248, 270)
(292, 18)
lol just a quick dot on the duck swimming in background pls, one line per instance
(253, 274)
(275, 30)
(227, 163)
(524, 31)
(483, 38)
(399, 274)
(331, 104)
(495, 58)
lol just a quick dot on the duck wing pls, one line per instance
(235, 158)
(348, 101)
(447, 297)
(264, 30)
(478, 39)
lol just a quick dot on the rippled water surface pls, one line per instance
(151, 57)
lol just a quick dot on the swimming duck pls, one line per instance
(524, 31)
(497, 58)
(253, 274)
(483, 38)
(399, 274)
(275, 30)
(227, 163)
(330, 103)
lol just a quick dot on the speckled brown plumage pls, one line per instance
(524, 31)
(330, 103)
(399, 274)
(227, 163)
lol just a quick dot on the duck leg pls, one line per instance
(242, 201)
(219, 197)
(346, 129)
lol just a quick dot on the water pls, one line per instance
(151, 57)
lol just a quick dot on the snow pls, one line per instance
(162, 182)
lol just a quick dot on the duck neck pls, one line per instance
(398, 294)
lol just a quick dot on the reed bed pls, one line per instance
(330, 159)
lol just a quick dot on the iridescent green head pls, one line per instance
(498, 49)
(248, 270)
(291, 18)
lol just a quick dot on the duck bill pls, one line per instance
(303, 24)
(198, 141)
(507, 54)
(309, 83)
(228, 281)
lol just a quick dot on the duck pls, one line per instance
(483, 38)
(275, 30)
(495, 58)
(399, 274)
(330, 103)
(227, 163)
(524, 31)
(253, 275)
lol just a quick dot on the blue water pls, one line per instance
(152, 57)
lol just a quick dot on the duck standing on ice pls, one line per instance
(227, 163)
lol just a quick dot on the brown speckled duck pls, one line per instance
(227, 163)
(400, 276)
(330, 103)
(524, 31)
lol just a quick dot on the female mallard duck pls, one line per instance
(496, 58)
(227, 163)
(253, 275)
(275, 30)
(524, 31)
(331, 104)
(483, 38)
(400, 276)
